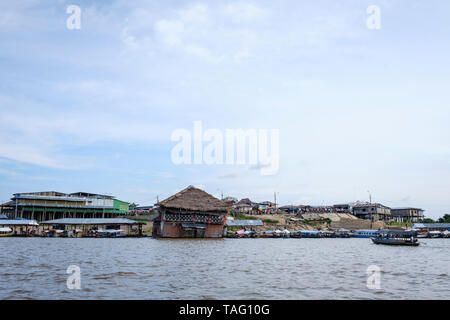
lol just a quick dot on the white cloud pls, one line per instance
(198, 30)
(245, 11)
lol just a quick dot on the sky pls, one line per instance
(359, 111)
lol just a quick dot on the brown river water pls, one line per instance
(146, 268)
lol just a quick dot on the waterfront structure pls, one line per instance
(407, 214)
(92, 226)
(250, 227)
(372, 211)
(244, 223)
(20, 227)
(191, 213)
(431, 226)
(367, 233)
(53, 205)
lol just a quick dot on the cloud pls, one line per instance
(242, 11)
(199, 30)
(27, 154)
(188, 31)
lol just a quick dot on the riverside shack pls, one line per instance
(19, 227)
(191, 213)
(93, 226)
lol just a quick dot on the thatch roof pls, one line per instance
(194, 199)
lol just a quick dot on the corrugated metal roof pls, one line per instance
(91, 221)
(243, 223)
(431, 225)
(18, 222)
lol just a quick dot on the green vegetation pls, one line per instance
(270, 221)
(401, 224)
(138, 219)
(241, 216)
(316, 222)
(444, 219)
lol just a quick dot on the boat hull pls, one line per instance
(395, 242)
(6, 235)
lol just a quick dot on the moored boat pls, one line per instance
(6, 232)
(310, 234)
(434, 234)
(110, 233)
(343, 233)
(54, 233)
(366, 233)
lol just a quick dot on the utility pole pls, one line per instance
(370, 196)
(275, 199)
(221, 193)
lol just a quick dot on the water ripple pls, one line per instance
(35, 268)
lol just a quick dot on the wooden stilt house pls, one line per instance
(191, 213)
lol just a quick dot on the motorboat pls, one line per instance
(6, 232)
(395, 237)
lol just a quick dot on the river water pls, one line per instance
(146, 268)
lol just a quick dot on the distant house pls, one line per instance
(143, 210)
(372, 211)
(317, 209)
(407, 214)
(7, 209)
(191, 213)
(266, 207)
(244, 206)
(291, 209)
(230, 200)
(343, 208)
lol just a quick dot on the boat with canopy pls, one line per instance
(396, 237)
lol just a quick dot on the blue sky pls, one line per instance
(357, 109)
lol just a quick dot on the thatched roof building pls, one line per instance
(191, 213)
(194, 199)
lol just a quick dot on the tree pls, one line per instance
(445, 219)
(133, 206)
